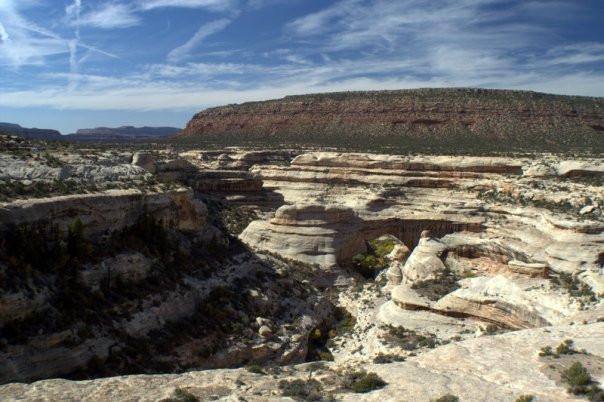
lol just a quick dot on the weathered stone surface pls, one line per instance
(494, 368)
(18, 305)
(145, 161)
(108, 211)
(531, 269)
(128, 268)
(424, 263)
(265, 331)
(404, 196)
(580, 169)
(407, 298)
(502, 236)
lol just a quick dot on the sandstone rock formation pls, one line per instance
(494, 368)
(111, 210)
(492, 259)
(145, 161)
(500, 228)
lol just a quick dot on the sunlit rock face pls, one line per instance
(492, 259)
(416, 119)
(501, 236)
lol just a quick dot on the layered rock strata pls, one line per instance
(108, 211)
(514, 243)
(458, 118)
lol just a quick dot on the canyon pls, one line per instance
(441, 274)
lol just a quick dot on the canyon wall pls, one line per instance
(109, 211)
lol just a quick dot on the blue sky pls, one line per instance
(69, 64)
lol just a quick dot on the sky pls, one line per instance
(69, 64)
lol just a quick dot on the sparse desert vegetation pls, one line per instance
(248, 260)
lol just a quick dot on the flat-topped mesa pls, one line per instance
(420, 118)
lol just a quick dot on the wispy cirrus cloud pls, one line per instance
(219, 5)
(111, 15)
(210, 28)
(577, 53)
(3, 34)
(23, 42)
(26, 43)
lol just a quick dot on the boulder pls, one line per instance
(399, 253)
(145, 160)
(265, 331)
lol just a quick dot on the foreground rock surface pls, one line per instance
(493, 368)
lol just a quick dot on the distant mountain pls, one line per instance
(121, 133)
(446, 119)
(34, 133)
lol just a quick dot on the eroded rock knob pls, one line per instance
(394, 274)
(426, 234)
(399, 253)
(265, 331)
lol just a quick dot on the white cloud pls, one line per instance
(111, 15)
(24, 43)
(256, 4)
(578, 53)
(207, 29)
(218, 5)
(3, 34)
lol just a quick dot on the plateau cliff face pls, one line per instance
(465, 119)
(33, 133)
(121, 133)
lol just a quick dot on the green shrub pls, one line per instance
(301, 390)
(411, 340)
(580, 382)
(254, 368)
(577, 377)
(546, 351)
(362, 381)
(447, 398)
(181, 395)
(565, 348)
(442, 285)
(525, 398)
(384, 359)
(574, 286)
(371, 263)
(345, 321)
(75, 238)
